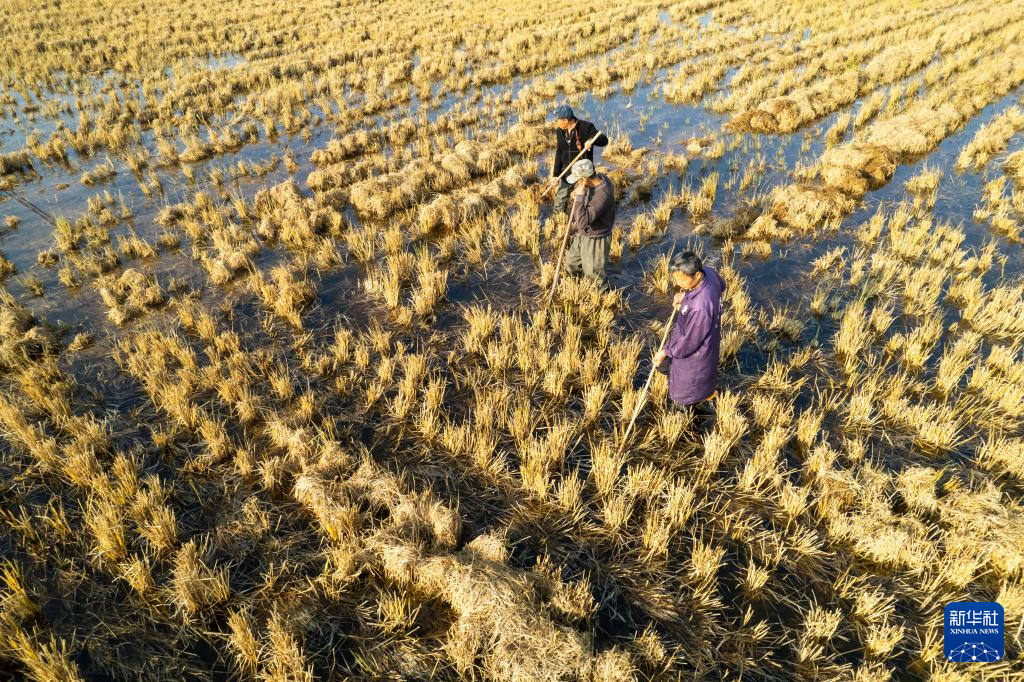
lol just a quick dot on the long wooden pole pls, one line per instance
(566, 169)
(558, 265)
(647, 384)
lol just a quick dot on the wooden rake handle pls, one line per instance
(647, 384)
(558, 265)
(566, 169)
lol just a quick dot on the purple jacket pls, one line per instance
(695, 341)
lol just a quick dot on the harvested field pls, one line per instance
(280, 400)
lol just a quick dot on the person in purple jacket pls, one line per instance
(695, 341)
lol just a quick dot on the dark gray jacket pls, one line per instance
(593, 211)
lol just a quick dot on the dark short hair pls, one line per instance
(688, 263)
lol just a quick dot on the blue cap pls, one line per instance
(563, 111)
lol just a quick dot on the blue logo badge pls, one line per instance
(974, 632)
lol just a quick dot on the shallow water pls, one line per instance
(641, 114)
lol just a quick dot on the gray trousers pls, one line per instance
(587, 256)
(561, 201)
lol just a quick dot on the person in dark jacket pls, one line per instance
(694, 344)
(592, 217)
(572, 135)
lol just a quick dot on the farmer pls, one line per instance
(695, 340)
(572, 135)
(592, 216)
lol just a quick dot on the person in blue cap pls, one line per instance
(572, 135)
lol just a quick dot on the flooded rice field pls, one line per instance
(281, 399)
